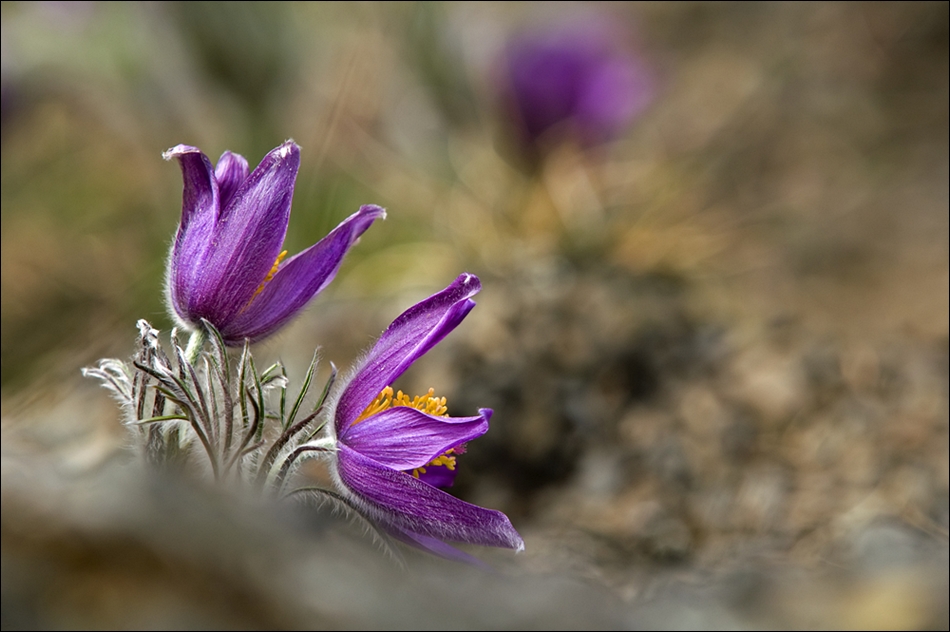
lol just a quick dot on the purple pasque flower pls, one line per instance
(393, 452)
(226, 262)
(578, 74)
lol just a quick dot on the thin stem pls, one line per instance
(325, 446)
(186, 402)
(303, 390)
(195, 344)
(152, 420)
(248, 435)
(259, 387)
(196, 426)
(384, 540)
(228, 409)
(275, 449)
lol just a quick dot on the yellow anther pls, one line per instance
(270, 275)
(428, 403)
(382, 402)
(444, 459)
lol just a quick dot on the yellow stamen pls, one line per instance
(445, 459)
(270, 275)
(428, 403)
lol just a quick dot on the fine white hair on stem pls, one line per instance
(341, 506)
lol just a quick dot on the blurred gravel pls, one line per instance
(679, 442)
(717, 349)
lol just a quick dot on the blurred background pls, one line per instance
(713, 240)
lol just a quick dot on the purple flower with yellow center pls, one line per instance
(227, 260)
(392, 452)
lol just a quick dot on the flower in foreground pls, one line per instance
(393, 452)
(227, 264)
(577, 74)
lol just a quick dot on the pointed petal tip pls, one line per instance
(228, 156)
(285, 154)
(515, 541)
(378, 212)
(486, 413)
(179, 150)
(469, 282)
(287, 148)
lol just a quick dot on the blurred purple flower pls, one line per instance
(578, 74)
(226, 263)
(391, 452)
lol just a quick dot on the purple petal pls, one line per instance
(404, 438)
(299, 279)
(230, 172)
(613, 95)
(544, 84)
(248, 237)
(577, 74)
(200, 192)
(401, 502)
(409, 337)
(199, 213)
(437, 547)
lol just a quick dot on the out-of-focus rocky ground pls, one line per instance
(717, 350)
(652, 446)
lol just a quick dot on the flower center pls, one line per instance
(447, 459)
(270, 275)
(429, 404)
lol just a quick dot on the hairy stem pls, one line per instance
(195, 344)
